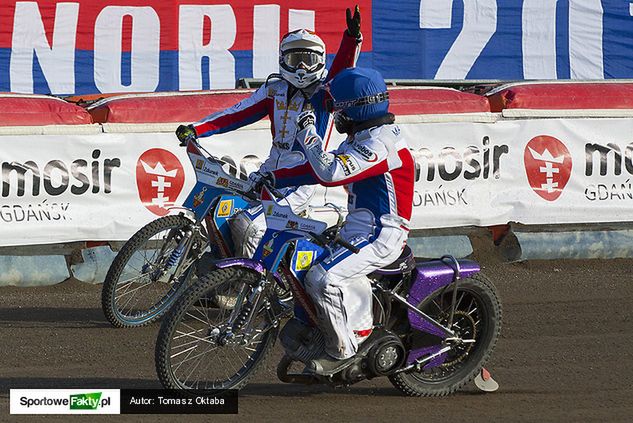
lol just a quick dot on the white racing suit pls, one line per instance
(377, 170)
(281, 102)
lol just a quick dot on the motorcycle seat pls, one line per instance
(403, 264)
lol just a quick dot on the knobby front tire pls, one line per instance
(132, 296)
(189, 353)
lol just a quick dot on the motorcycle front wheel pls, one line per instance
(141, 283)
(196, 348)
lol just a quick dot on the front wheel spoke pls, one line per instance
(190, 335)
(204, 312)
(123, 307)
(183, 351)
(131, 291)
(205, 368)
(125, 285)
(193, 369)
(228, 357)
(197, 318)
(193, 357)
(190, 351)
(193, 330)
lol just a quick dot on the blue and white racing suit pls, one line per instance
(377, 170)
(281, 103)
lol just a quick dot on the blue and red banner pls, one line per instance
(92, 46)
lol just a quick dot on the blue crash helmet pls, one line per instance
(360, 92)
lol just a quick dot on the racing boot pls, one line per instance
(327, 365)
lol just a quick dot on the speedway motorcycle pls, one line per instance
(156, 264)
(433, 324)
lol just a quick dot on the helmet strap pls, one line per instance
(386, 119)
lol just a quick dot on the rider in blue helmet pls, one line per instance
(377, 169)
(360, 94)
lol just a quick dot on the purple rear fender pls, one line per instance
(432, 275)
(428, 278)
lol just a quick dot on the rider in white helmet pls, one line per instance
(302, 58)
(285, 95)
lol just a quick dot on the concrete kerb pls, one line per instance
(43, 265)
(595, 241)
(51, 264)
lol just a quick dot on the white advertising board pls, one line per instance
(62, 188)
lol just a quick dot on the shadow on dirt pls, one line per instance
(74, 383)
(303, 391)
(53, 316)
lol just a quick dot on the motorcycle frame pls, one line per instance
(426, 280)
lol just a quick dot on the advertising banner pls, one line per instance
(105, 187)
(536, 171)
(107, 46)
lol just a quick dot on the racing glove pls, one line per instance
(305, 120)
(353, 22)
(186, 133)
(259, 179)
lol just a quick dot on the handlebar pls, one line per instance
(252, 194)
(274, 191)
(354, 249)
(321, 239)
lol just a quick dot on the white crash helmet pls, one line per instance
(302, 58)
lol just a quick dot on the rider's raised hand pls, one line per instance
(186, 133)
(305, 120)
(353, 22)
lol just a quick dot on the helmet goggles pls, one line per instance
(296, 58)
(332, 105)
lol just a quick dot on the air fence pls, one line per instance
(542, 169)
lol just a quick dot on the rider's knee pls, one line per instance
(246, 234)
(316, 281)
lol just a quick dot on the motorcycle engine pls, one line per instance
(301, 341)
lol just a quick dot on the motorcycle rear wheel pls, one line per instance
(478, 314)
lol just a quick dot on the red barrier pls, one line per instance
(38, 110)
(190, 107)
(434, 100)
(163, 107)
(562, 96)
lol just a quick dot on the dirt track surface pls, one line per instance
(564, 355)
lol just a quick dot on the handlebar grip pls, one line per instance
(354, 249)
(274, 191)
(251, 195)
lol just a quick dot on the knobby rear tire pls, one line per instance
(411, 385)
